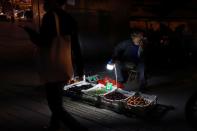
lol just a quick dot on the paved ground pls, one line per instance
(23, 105)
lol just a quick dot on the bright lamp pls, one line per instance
(111, 66)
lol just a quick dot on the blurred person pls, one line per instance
(53, 75)
(129, 54)
(28, 14)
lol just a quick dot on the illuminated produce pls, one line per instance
(105, 94)
(96, 92)
(115, 96)
(137, 101)
(76, 90)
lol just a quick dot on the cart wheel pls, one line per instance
(191, 110)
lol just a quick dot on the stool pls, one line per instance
(132, 72)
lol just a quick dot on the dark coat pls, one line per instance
(126, 51)
(68, 27)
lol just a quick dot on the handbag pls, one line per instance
(58, 59)
(61, 50)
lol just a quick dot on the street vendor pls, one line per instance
(129, 55)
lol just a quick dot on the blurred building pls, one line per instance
(111, 20)
(22, 4)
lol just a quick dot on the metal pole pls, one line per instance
(38, 14)
(12, 15)
(116, 75)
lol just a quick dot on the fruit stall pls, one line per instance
(103, 93)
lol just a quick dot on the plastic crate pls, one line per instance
(98, 90)
(75, 90)
(141, 109)
(116, 104)
(95, 93)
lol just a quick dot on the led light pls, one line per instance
(110, 66)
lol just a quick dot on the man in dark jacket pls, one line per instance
(128, 55)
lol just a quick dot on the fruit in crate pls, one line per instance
(137, 101)
(106, 80)
(115, 96)
(77, 89)
(97, 91)
(101, 91)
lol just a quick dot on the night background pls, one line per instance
(170, 31)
